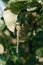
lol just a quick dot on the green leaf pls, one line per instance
(16, 7)
(37, 40)
(1, 49)
(32, 61)
(15, 59)
(39, 52)
(31, 9)
(2, 24)
(3, 59)
(33, 6)
(12, 50)
(21, 0)
(41, 16)
(5, 1)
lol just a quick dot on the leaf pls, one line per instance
(3, 59)
(2, 24)
(5, 1)
(25, 0)
(15, 59)
(41, 17)
(10, 20)
(32, 9)
(1, 49)
(32, 61)
(16, 7)
(37, 41)
(33, 6)
(12, 50)
(5, 41)
(39, 52)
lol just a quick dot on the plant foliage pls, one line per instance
(24, 46)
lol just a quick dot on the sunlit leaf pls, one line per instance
(15, 59)
(32, 9)
(1, 49)
(10, 20)
(33, 6)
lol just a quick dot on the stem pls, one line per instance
(18, 33)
